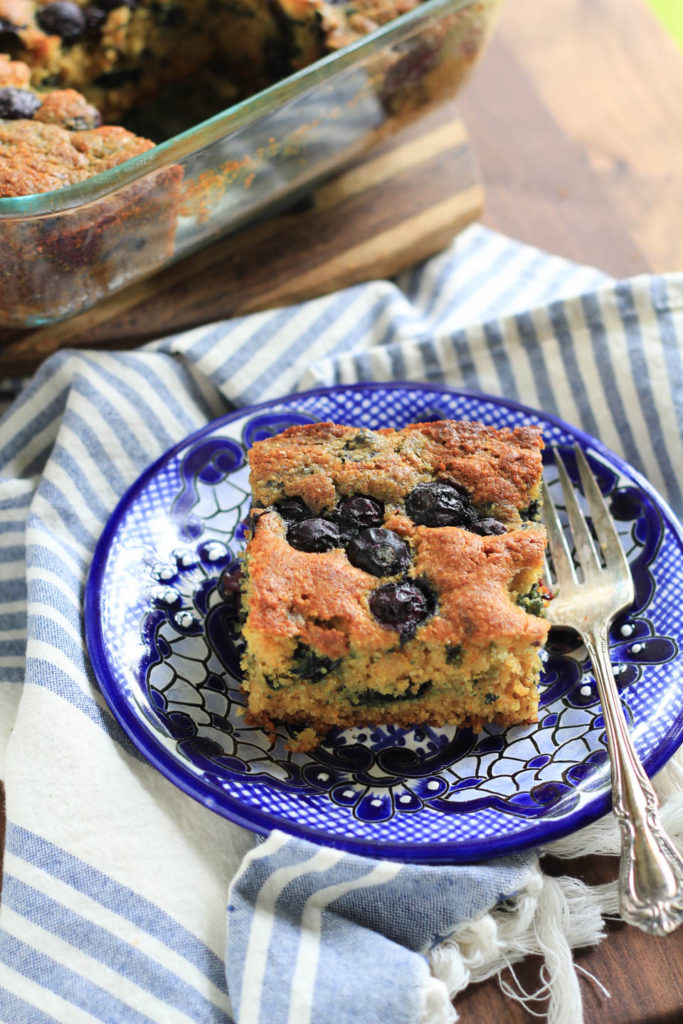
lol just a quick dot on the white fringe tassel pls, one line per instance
(438, 1007)
(549, 918)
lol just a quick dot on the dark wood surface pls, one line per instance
(576, 117)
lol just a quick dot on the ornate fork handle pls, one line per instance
(651, 869)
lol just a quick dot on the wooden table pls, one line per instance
(576, 116)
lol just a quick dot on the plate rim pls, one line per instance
(257, 820)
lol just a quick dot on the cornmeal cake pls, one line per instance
(65, 67)
(58, 58)
(393, 576)
(119, 52)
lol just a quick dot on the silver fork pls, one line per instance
(651, 869)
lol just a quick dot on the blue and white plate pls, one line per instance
(166, 654)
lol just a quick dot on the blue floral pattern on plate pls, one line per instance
(165, 648)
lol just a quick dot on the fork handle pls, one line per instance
(651, 869)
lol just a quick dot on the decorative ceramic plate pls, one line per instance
(166, 654)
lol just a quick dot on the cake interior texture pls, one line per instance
(393, 576)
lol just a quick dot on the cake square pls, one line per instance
(393, 576)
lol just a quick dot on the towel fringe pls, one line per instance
(549, 917)
(438, 1007)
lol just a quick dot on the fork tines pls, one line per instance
(594, 559)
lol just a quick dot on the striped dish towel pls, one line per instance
(124, 900)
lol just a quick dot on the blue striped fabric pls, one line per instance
(317, 935)
(115, 884)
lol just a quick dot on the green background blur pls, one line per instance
(670, 13)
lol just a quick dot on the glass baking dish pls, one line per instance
(63, 251)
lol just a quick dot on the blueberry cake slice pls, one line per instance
(393, 576)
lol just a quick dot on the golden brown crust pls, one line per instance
(322, 599)
(297, 591)
(39, 157)
(474, 577)
(68, 108)
(315, 462)
(309, 731)
(14, 73)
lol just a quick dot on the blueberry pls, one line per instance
(381, 552)
(438, 504)
(17, 103)
(9, 35)
(488, 527)
(230, 583)
(310, 665)
(362, 512)
(63, 19)
(532, 512)
(454, 654)
(313, 535)
(294, 509)
(401, 605)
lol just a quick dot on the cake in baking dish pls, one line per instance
(119, 51)
(67, 69)
(110, 55)
(48, 141)
(393, 576)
